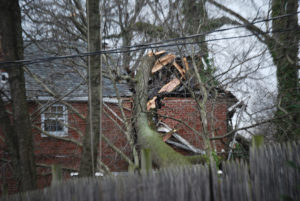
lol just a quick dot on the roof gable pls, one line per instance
(61, 76)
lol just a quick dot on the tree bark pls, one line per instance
(12, 49)
(162, 154)
(89, 155)
(283, 45)
(285, 56)
(11, 141)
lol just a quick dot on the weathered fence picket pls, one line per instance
(273, 173)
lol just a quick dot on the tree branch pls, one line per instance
(267, 39)
(58, 137)
(117, 150)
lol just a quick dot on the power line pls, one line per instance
(226, 29)
(124, 50)
(154, 45)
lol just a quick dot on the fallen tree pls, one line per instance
(163, 155)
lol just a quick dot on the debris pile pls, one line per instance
(169, 70)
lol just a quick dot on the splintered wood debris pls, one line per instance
(161, 62)
(170, 86)
(151, 53)
(179, 68)
(151, 103)
(186, 64)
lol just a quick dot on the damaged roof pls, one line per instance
(174, 75)
(170, 77)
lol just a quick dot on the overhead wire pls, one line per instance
(124, 50)
(154, 45)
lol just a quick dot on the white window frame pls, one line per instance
(5, 74)
(64, 119)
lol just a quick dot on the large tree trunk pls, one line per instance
(284, 47)
(89, 155)
(11, 141)
(285, 56)
(163, 155)
(12, 49)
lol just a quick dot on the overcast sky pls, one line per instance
(261, 84)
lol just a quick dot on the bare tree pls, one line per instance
(19, 134)
(282, 42)
(126, 26)
(91, 138)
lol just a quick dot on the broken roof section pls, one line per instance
(174, 75)
(180, 141)
(66, 78)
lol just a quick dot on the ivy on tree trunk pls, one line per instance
(162, 154)
(285, 56)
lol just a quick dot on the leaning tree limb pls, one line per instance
(163, 155)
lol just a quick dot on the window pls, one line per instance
(54, 120)
(4, 77)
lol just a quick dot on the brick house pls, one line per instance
(63, 117)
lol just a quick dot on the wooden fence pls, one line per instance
(272, 174)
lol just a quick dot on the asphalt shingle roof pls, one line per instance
(60, 76)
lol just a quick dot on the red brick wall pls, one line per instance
(52, 151)
(187, 111)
